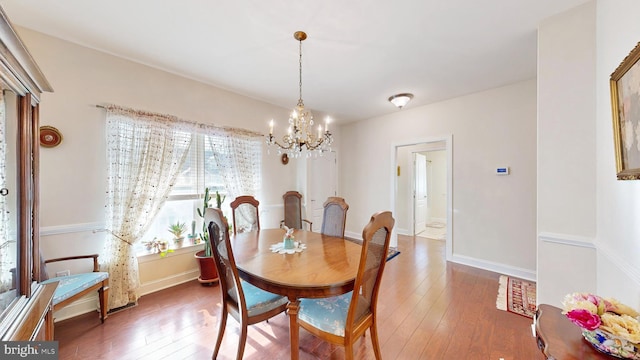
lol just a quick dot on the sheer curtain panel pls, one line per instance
(144, 154)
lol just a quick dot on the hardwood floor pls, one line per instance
(427, 309)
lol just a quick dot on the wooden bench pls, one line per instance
(73, 287)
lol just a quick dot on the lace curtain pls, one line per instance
(238, 156)
(144, 154)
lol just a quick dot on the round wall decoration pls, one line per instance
(50, 136)
(284, 158)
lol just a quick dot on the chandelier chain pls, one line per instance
(300, 73)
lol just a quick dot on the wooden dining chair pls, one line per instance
(244, 210)
(335, 217)
(246, 303)
(341, 320)
(293, 211)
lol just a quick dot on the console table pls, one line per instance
(559, 339)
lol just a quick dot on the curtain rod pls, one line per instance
(240, 130)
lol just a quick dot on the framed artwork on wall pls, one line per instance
(625, 106)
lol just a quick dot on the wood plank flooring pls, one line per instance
(428, 309)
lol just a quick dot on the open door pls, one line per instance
(420, 205)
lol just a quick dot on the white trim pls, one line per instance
(625, 267)
(448, 139)
(83, 305)
(144, 258)
(400, 231)
(164, 283)
(565, 239)
(71, 228)
(521, 273)
(353, 235)
(267, 208)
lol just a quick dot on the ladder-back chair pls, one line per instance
(343, 319)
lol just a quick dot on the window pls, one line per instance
(199, 171)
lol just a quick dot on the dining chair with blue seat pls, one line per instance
(343, 319)
(245, 214)
(293, 211)
(334, 217)
(246, 303)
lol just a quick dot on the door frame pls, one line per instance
(448, 141)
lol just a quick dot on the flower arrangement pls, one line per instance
(607, 324)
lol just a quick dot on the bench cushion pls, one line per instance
(74, 284)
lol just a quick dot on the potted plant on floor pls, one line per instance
(208, 272)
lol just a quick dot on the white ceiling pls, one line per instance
(358, 52)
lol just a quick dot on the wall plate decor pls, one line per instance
(284, 158)
(50, 136)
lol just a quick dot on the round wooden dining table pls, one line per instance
(326, 267)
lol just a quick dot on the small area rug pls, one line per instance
(517, 296)
(391, 253)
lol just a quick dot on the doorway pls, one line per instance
(430, 194)
(422, 192)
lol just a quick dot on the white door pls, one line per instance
(322, 184)
(420, 193)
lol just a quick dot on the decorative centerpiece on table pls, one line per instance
(288, 244)
(611, 327)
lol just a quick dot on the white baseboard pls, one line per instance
(521, 273)
(161, 284)
(353, 235)
(87, 304)
(438, 220)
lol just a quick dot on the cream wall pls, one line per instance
(72, 181)
(494, 217)
(618, 210)
(588, 226)
(566, 153)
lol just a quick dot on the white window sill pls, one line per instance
(146, 256)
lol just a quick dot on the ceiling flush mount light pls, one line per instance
(400, 100)
(300, 137)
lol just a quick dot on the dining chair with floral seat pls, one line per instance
(343, 319)
(246, 303)
(245, 214)
(334, 219)
(293, 211)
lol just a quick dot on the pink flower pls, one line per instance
(584, 318)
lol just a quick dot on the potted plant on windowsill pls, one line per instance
(208, 272)
(177, 230)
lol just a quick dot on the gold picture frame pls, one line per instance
(625, 107)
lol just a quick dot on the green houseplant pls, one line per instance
(177, 230)
(208, 273)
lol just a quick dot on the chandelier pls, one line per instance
(300, 137)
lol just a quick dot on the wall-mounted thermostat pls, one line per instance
(502, 171)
